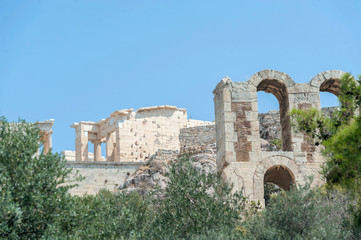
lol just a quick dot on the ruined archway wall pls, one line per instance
(277, 83)
(328, 81)
(237, 130)
(305, 96)
(224, 119)
(268, 162)
(237, 127)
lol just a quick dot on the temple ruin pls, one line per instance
(132, 135)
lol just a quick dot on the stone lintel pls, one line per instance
(165, 107)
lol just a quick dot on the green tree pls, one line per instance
(194, 203)
(338, 133)
(33, 189)
(106, 215)
(340, 136)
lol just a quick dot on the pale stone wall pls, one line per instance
(101, 175)
(133, 135)
(70, 156)
(130, 138)
(239, 155)
(196, 139)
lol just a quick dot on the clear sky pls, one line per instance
(81, 60)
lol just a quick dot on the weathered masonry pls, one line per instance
(130, 139)
(131, 135)
(239, 155)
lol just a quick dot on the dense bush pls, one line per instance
(32, 190)
(195, 203)
(301, 213)
(106, 216)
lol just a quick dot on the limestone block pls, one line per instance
(251, 116)
(227, 107)
(242, 96)
(229, 127)
(231, 137)
(229, 147)
(254, 106)
(229, 116)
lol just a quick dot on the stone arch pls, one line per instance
(267, 170)
(328, 81)
(277, 83)
(280, 175)
(271, 74)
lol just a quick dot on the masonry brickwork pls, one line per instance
(240, 157)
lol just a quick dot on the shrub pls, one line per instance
(32, 190)
(107, 215)
(195, 203)
(301, 213)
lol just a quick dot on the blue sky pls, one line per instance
(81, 60)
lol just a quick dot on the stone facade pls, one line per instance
(239, 155)
(101, 175)
(196, 139)
(132, 135)
(132, 139)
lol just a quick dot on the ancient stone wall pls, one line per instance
(101, 175)
(132, 135)
(131, 138)
(240, 156)
(195, 139)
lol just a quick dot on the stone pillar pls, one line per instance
(47, 142)
(304, 96)
(81, 142)
(224, 120)
(117, 154)
(46, 132)
(97, 151)
(109, 147)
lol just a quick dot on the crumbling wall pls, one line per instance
(240, 157)
(101, 175)
(133, 135)
(196, 139)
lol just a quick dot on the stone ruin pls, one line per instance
(131, 135)
(139, 144)
(239, 156)
(46, 131)
(131, 139)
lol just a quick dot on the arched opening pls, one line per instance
(279, 90)
(331, 86)
(277, 179)
(329, 91)
(269, 122)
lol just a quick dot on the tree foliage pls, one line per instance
(33, 192)
(340, 136)
(194, 203)
(301, 213)
(338, 133)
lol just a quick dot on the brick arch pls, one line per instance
(268, 163)
(277, 83)
(269, 74)
(328, 81)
